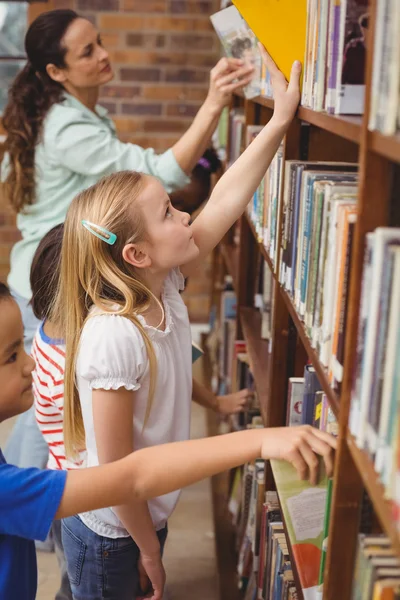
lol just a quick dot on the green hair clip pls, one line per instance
(100, 232)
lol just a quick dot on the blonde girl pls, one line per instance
(128, 374)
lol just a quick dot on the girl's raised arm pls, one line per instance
(234, 190)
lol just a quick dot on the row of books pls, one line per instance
(332, 42)
(318, 219)
(375, 401)
(377, 572)
(335, 56)
(385, 96)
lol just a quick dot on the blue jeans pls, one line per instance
(26, 446)
(101, 568)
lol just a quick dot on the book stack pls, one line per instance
(227, 331)
(263, 209)
(308, 405)
(318, 218)
(385, 97)
(236, 128)
(264, 568)
(335, 57)
(264, 298)
(375, 401)
(377, 573)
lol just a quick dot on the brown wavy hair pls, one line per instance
(31, 96)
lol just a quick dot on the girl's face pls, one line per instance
(169, 238)
(15, 365)
(87, 62)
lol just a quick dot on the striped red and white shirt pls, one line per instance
(48, 392)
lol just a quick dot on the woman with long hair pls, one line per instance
(60, 141)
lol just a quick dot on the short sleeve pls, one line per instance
(29, 500)
(111, 353)
(92, 148)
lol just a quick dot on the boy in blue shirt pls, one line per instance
(30, 499)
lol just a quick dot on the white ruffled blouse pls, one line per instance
(111, 355)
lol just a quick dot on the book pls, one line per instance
(311, 386)
(303, 508)
(274, 23)
(295, 401)
(239, 41)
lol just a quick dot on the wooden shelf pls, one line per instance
(259, 355)
(230, 254)
(320, 369)
(345, 126)
(384, 145)
(375, 491)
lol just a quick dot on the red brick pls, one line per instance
(128, 126)
(182, 110)
(142, 109)
(149, 23)
(151, 40)
(141, 57)
(129, 74)
(120, 91)
(165, 126)
(173, 92)
(186, 76)
(98, 5)
(112, 107)
(145, 6)
(205, 7)
(188, 41)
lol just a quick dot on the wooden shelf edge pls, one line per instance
(384, 145)
(321, 372)
(319, 368)
(345, 126)
(259, 356)
(375, 490)
(230, 255)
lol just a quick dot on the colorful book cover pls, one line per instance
(295, 401)
(239, 41)
(303, 507)
(275, 22)
(350, 82)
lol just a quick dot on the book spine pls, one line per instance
(306, 247)
(326, 531)
(355, 407)
(296, 220)
(333, 59)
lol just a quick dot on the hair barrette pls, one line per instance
(204, 163)
(103, 234)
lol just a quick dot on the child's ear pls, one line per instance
(136, 256)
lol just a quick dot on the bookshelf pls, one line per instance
(319, 136)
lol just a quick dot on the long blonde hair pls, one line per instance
(94, 273)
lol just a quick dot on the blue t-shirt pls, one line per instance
(29, 499)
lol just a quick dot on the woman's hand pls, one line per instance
(233, 403)
(228, 75)
(299, 446)
(151, 569)
(286, 95)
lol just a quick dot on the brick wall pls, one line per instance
(162, 52)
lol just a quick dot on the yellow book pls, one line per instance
(280, 25)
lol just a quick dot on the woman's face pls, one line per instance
(87, 62)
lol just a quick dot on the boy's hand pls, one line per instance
(286, 95)
(151, 570)
(299, 446)
(228, 75)
(234, 403)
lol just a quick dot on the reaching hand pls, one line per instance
(299, 446)
(228, 75)
(234, 403)
(286, 95)
(152, 574)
